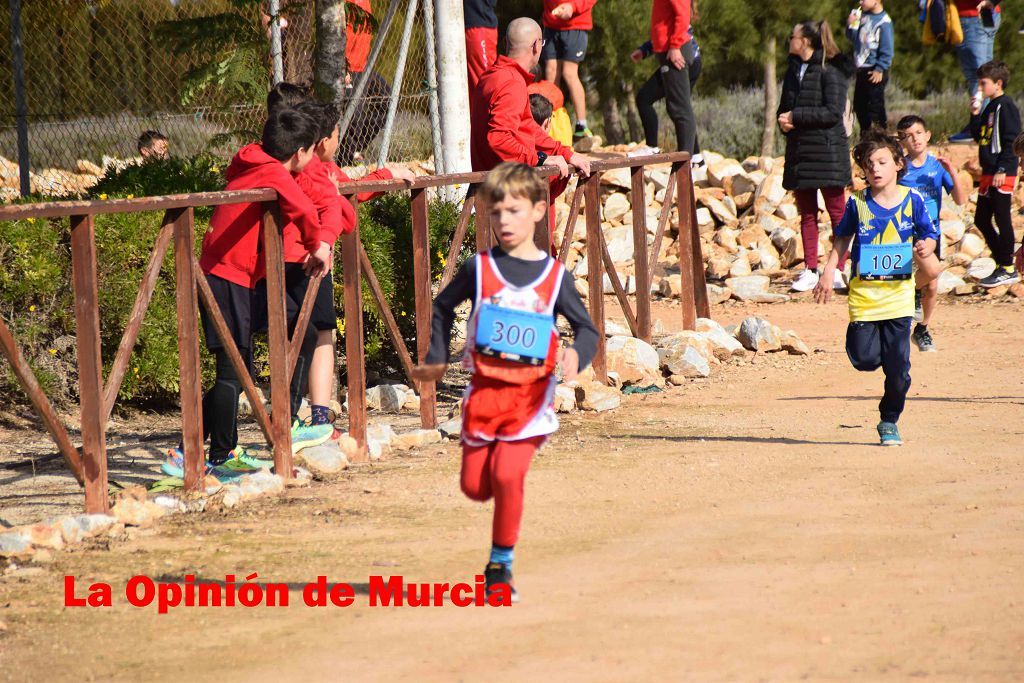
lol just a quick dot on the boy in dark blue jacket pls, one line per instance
(870, 31)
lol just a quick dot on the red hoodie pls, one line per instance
(581, 19)
(358, 41)
(670, 24)
(231, 248)
(502, 126)
(337, 215)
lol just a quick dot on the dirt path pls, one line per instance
(742, 528)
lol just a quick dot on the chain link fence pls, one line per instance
(100, 72)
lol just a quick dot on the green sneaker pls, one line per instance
(889, 434)
(581, 132)
(244, 461)
(307, 435)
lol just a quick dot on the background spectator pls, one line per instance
(481, 37)
(153, 144)
(372, 109)
(980, 22)
(810, 113)
(670, 32)
(566, 30)
(870, 31)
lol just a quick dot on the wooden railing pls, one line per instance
(97, 397)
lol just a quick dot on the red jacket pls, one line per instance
(581, 19)
(232, 246)
(502, 127)
(670, 24)
(337, 215)
(358, 41)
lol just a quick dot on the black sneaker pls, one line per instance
(581, 132)
(923, 339)
(495, 573)
(999, 277)
(918, 307)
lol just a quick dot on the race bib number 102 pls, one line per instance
(886, 261)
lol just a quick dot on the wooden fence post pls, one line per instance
(355, 353)
(190, 384)
(280, 391)
(684, 200)
(90, 364)
(641, 269)
(595, 270)
(424, 302)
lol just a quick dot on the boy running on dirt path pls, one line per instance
(513, 350)
(890, 230)
(929, 176)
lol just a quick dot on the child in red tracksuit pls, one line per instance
(319, 180)
(513, 350)
(233, 263)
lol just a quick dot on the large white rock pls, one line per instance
(949, 281)
(718, 294)
(720, 171)
(757, 334)
(723, 344)
(685, 360)
(740, 267)
(635, 361)
(591, 395)
(616, 206)
(565, 399)
(770, 262)
(770, 194)
(619, 177)
(953, 229)
(719, 209)
(327, 458)
(387, 397)
(789, 246)
(980, 268)
(746, 288)
(972, 245)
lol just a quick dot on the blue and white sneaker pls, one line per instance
(309, 435)
(174, 466)
(889, 434)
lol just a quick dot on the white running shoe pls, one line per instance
(697, 160)
(643, 151)
(807, 281)
(838, 281)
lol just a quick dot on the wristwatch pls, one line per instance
(541, 158)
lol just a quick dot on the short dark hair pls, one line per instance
(148, 138)
(540, 107)
(287, 131)
(910, 120)
(326, 114)
(995, 70)
(286, 95)
(874, 139)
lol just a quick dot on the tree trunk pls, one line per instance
(613, 133)
(330, 63)
(636, 131)
(771, 97)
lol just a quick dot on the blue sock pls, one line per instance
(321, 415)
(502, 554)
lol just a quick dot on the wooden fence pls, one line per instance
(89, 462)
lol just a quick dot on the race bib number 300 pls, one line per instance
(886, 261)
(519, 336)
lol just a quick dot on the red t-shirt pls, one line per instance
(670, 24)
(581, 19)
(358, 41)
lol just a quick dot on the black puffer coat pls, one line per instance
(817, 149)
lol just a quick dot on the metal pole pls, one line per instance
(453, 94)
(435, 116)
(20, 105)
(275, 41)
(364, 78)
(396, 87)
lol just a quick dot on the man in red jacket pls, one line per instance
(233, 263)
(502, 125)
(501, 122)
(670, 31)
(567, 24)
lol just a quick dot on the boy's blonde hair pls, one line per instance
(511, 179)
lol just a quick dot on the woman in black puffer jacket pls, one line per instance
(811, 115)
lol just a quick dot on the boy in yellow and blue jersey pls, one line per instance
(890, 230)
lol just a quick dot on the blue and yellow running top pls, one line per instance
(882, 242)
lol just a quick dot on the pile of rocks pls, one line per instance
(673, 359)
(133, 508)
(48, 181)
(750, 230)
